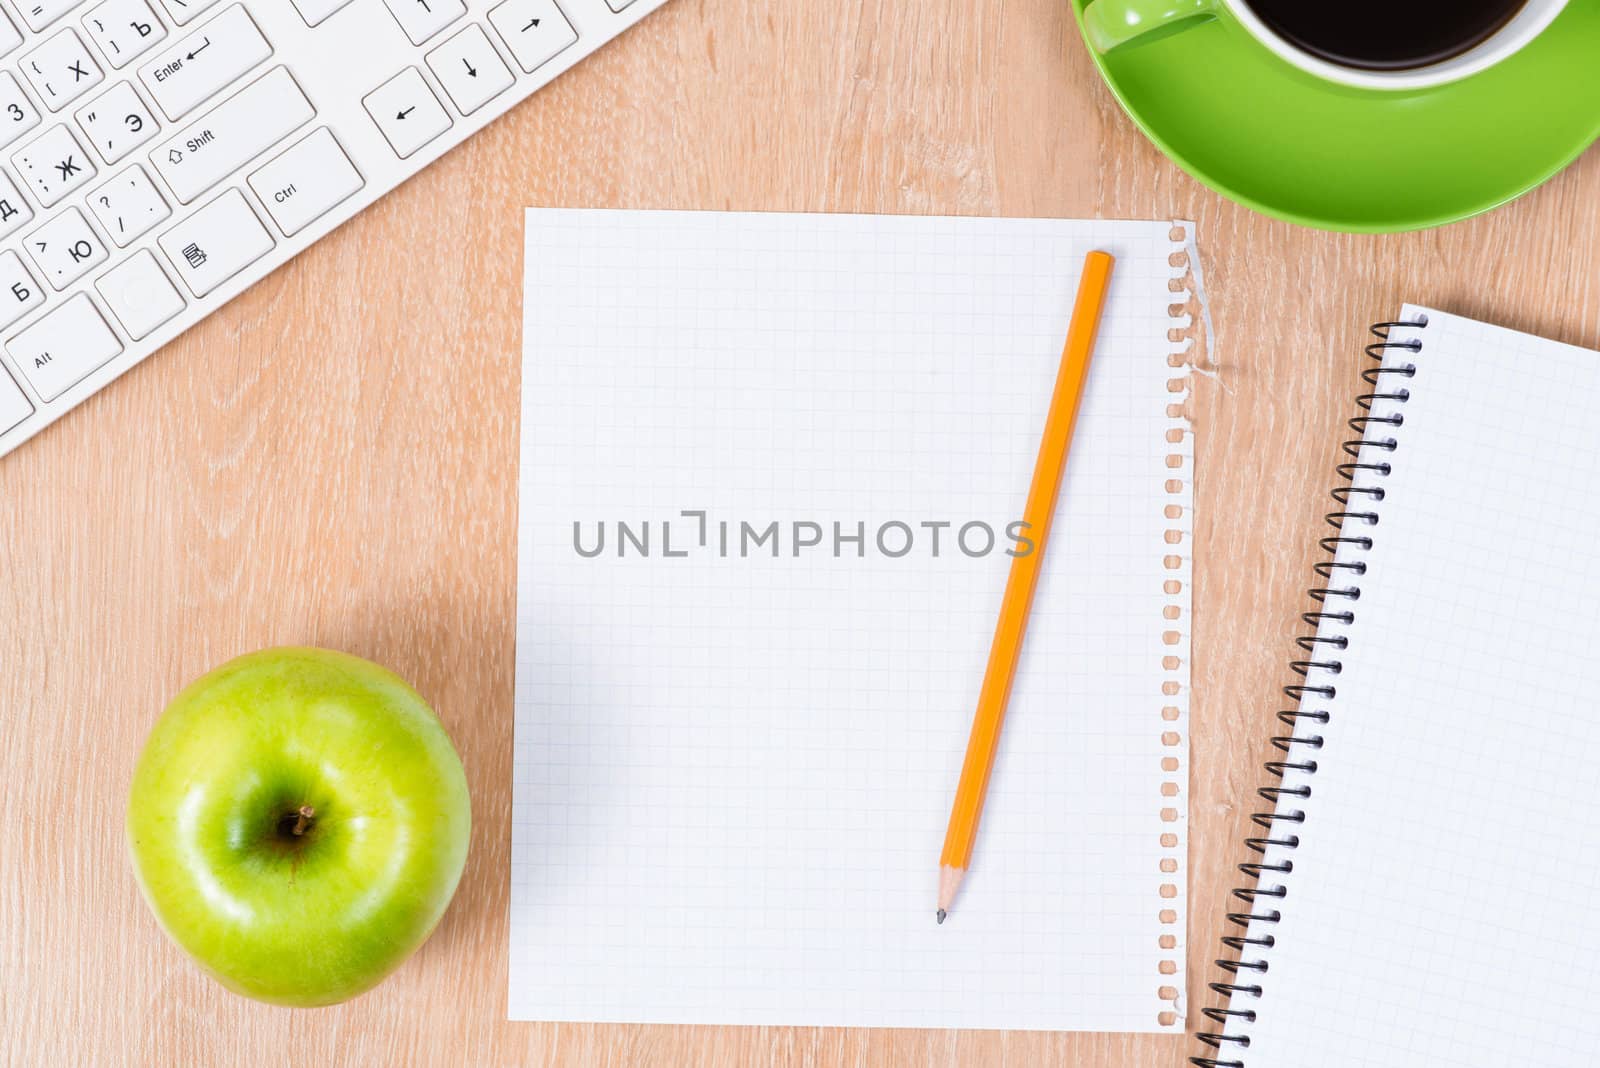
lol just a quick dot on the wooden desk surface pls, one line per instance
(331, 460)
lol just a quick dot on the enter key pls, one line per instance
(234, 133)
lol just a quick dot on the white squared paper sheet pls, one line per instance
(1440, 912)
(733, 769)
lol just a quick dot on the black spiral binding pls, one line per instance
(1334, 597)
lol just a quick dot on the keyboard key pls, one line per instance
(14, 404)
(232, 134)
(128, 206)
(303, 183)
(124, 30)
(407, 112)
(117, 122)
(61, 349)
(190, 72)
(61, 70)
(65, 248)
(216, 243)
(14, 210)
(534, 30)
(9, 37)
(469, 69)
(19, 293)
(315, 11)
(17, 113)
(54, 165)
(618, 5)
(139, 294)
(185, 11)
(422, 19)
(40, 13)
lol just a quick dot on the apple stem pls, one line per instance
(303, 820)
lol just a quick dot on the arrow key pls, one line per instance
(535, 31)
(407, 112)
(422, 20)
(469, 69)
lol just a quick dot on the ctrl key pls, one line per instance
(302, 184)
(62, 347)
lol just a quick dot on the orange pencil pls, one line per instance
(1024, 576)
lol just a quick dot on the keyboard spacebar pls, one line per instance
(231, 135)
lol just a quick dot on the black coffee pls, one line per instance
(1385, 34)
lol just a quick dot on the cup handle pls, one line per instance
(1110, 24)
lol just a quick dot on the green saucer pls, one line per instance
(1286, 144)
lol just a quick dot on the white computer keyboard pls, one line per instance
(159, 156)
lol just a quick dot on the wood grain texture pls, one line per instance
(331, 460)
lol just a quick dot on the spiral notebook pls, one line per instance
(1420, 889)
(768, 466)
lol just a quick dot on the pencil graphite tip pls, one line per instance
(940, 915)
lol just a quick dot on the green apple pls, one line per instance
(298, 822)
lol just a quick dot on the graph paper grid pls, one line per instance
(1438, 912)
(733, 767)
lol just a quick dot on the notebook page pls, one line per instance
(1441, 907)
(739, 724)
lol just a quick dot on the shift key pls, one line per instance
(234, 133)
(191, 72)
